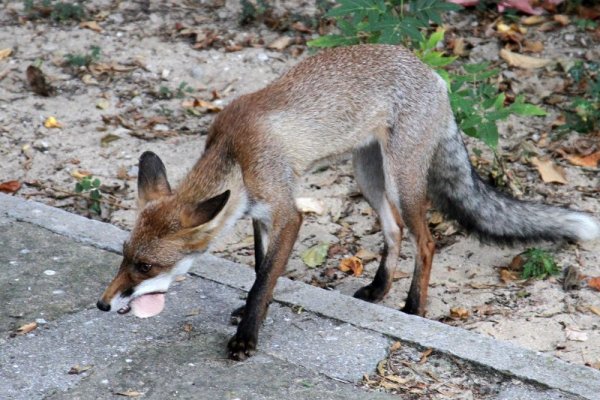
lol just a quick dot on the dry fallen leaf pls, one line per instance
(521, 61)
(594, 283)
(93, 25)
(459, 313)
(51, 122)
(80, 174)
(310, 205)
(23, 329)
(590, 161)
(534, 46)
(507, 276)
(129, 393)
(395, 346)
(10, 186)
(187, 327)
(280, 43)
(351, 264)
(5, 53)
(197, 103)
(574, 334)
(77, 369)
(37, 81)
(366, 255)
(399, 275)
(561, 19)
(425, 355)
(595, 310)
(533, 20)
(315, 256)
(549, 171)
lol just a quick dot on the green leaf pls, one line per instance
(332, 41)
(315, 256)
(95, 194)
(78, 187)
(96, 183)
(526, 110)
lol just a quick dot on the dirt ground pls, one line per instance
(152, 50)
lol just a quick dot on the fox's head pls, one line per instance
(168, 232)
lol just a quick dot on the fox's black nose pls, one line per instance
(103, 306)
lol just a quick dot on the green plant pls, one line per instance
(381, 21)
(83, 60)
(538, 264)
(583, 112)
(92, 188)
(253, 10)
(165, 92)
(55, 10)
(476, 101)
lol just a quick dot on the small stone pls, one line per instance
(262, 57)
(49, 272)
(41, 321)
(197, 72)
(41, 145)
(161, 128)
(165, 74)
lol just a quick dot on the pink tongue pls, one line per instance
(148, 305)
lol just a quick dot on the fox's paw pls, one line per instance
(413, 308)
(241, 348)
(370, 294)
(237, 315)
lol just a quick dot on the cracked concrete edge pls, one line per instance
(503, 357)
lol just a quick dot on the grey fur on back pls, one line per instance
(455, 189)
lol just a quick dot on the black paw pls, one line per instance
(370, 294)
(411, 307)
(241, 348)
(237, 315)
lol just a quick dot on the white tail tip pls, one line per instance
(584, 226)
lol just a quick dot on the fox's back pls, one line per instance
(342, 98)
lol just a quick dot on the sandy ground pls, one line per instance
(146, 50)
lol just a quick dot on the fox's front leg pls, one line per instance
(283, 235)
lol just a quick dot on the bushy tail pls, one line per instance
(455, 189)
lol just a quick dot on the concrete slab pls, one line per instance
(346, 317)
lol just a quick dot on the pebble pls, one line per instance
(49, 272)
(262, 56)
(58, 291)
(197, 72)
(41, 321)
(41, 145)
(137, 101)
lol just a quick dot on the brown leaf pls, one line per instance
(549, 171)
(24, 329)
(187, 327)
(595, 310)
(129, 393)
(507, 276)
(92, 25)
(459, 313)
(395, 346)
(198, 103)
(280, 43)
(300, 27)
(533, 20)
(399, 275)
(366, 255)
(458, 47)
(521, 61)
(351, 264)
(80, 174)
(561, 19)
(10, 186)
(77, 369)
(37, 81)
(533, 46)
(590, 161)
(516, 264)
(594, 283)
(425, 355)
(5, 53)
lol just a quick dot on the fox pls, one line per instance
(380, 104)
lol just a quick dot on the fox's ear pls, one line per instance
(152, 179)
(198, 214)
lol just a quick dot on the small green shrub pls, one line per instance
(55, 10)
(539, 264)
(83, 60)
(92, 188)
(582, 114)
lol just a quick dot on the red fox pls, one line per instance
(377, 101)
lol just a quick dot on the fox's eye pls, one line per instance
(143, 267)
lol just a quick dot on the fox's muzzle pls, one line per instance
(102, 305)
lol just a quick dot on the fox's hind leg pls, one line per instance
(368, 167)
